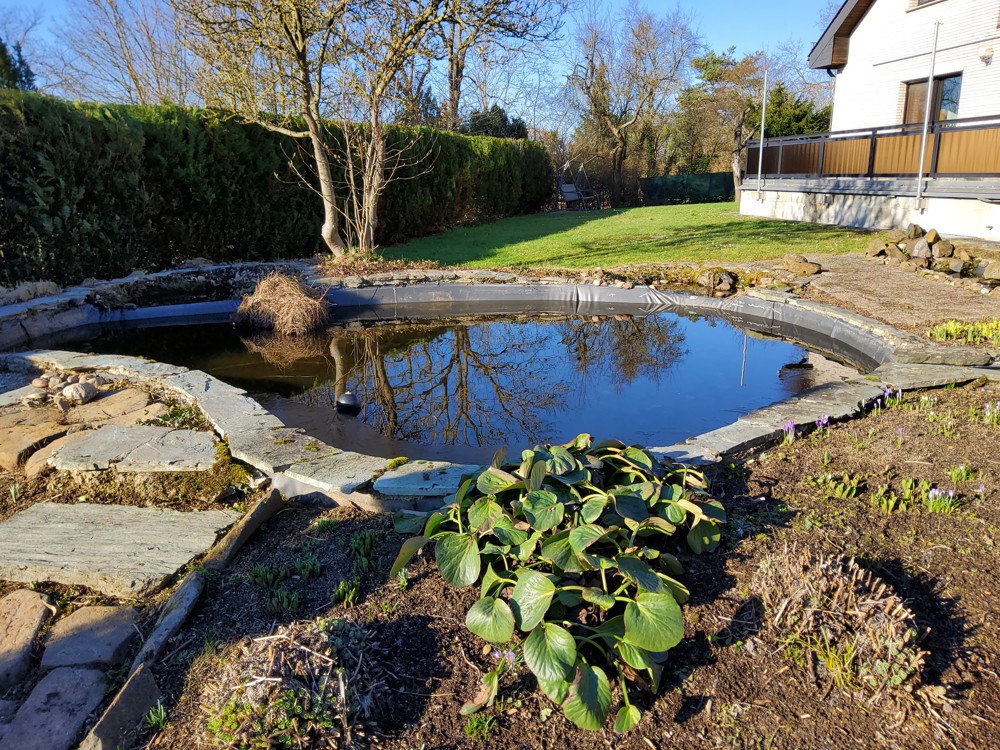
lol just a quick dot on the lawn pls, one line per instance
(708, 232)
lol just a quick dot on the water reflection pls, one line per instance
(489, 383)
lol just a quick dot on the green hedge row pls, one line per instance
(90, 190)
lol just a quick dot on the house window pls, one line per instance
(947, 90)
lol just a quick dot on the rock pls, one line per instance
(137, 448)
(920, 249)
(913, 231)
(40, 382)
(57, 382)
(876, 248)
(895, 235)
(22, 615)
(91, 636)
(991, 271)
(109, 406)
(955, 265)
(716, 280)
(795, 258)
(72, 379)
(932, 236)
(23, 432)
(802, 269)
(423, 479)
(139, 694)
(341, 473)
(943, 249)
(79, 393)
(55, 712)
(120, 551)
(892, 250)
(963, 254)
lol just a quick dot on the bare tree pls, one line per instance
(267, 60)
(628, 67)
(128, 51)
(382, 39)
(504, 25)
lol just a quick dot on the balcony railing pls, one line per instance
(968, 148)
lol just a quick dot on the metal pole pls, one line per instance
(927, 115)
(760, 141)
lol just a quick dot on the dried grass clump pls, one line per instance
(312, 684)
(284, 351)
(284, 305)
(28, 290)
(832, 610)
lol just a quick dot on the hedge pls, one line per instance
(92, 190)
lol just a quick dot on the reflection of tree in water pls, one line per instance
(467, 385)
(623, 348)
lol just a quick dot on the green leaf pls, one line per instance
(671, 564)
(675, 587)
(599, 597)
(583, 536)
(635, 657)
(631, 506)
(591, 510)
(463, 491)
(550, 652)
(486, 695)
(561, 461)
(576, 476)
(556, 690)
(617, 445)
(639, 457)
(638, 572)
(410, 547)
(407, 523)
(674, 513)
(484, 513)
(491, 619)
(489, 582)
(531, 598)
(569, 598)
(458, 558)
(503, 529)
(589, 698)
(655, 525)
(704, 536)
(434, 520)
(557, 550)
(499, 456)
(627, 718)
(494, 481)
(537, 476)
(543, 509)
(527, 548)
(580, 443)
(653, 622)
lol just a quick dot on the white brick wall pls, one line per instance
(892, 45)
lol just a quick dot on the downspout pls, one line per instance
(927, 117)
(760, 141)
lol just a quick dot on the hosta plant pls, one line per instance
(572, 546)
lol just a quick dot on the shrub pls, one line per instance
(95, 190)
(284, 305)
(572, 546)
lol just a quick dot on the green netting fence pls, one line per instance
(695, 188)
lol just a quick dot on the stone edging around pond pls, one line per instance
(298, 464)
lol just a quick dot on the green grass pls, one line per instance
(707, 232)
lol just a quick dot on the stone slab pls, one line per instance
(911, 376)
(25, 430)
(196, 385)
(231, 414)
(10, 398)
(56, 711)
(121, 551)
(109, 405)
(423, 479)
(937, 354)
(39, 460)
(848, 397)
(340, 473)
(136, 448)
(126, 712)
(277, 449)
(175, 612)
(734, 438)
(686, 454)
(22, 615)
(91, 636)
(114, 363)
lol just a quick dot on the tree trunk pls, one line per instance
(371, 189)
(456, 74)
(331, 223)
(618, 154)
(738, 145)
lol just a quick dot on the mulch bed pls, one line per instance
(730, 683)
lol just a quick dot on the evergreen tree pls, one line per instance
(14, 70)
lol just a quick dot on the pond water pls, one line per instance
(458, 389)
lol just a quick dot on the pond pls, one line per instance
(459, 388)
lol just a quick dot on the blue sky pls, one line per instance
(748, 26)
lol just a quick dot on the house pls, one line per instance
(883, 54)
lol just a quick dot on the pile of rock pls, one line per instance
(916, 250)
(65, 390)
